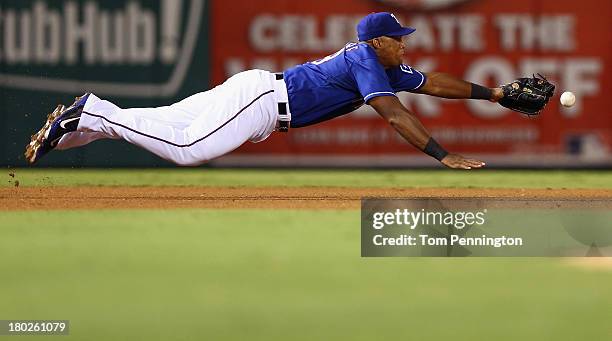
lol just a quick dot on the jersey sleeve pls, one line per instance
(371, 79)
(406, 78)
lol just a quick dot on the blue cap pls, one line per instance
(376, 25)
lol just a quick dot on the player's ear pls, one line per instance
(376, 43)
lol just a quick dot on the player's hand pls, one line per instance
(458, 161)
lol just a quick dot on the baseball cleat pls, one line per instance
(61, 121)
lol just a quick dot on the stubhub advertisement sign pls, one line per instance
(137, 53)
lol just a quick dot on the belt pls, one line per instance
(284, 117)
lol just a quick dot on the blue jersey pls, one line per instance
(340, 83)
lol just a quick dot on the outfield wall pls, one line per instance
(150, 53)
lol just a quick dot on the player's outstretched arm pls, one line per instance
(447, 86)
(413, 131)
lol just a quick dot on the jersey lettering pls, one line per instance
(327, 58)
(406, 68)
(347, 48)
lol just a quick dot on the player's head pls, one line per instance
(384, 33)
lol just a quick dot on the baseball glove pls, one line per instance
(527, 95)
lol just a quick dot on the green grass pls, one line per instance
(287, 177)
(206, 274)
(275, 275)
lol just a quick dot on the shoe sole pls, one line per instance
(41, 136)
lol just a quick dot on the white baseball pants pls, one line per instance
(195, 130)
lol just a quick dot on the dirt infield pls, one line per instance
(43, 198)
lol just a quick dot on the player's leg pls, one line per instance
(253, 121)
(161, 115)
(190, 132)
(172, 115)
(226, 116)
(166, 115)
(77, 139)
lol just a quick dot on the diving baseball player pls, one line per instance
(252, 104)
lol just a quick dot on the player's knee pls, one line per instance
(187, 162)
(189, 159)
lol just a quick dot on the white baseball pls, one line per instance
(567, 99)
